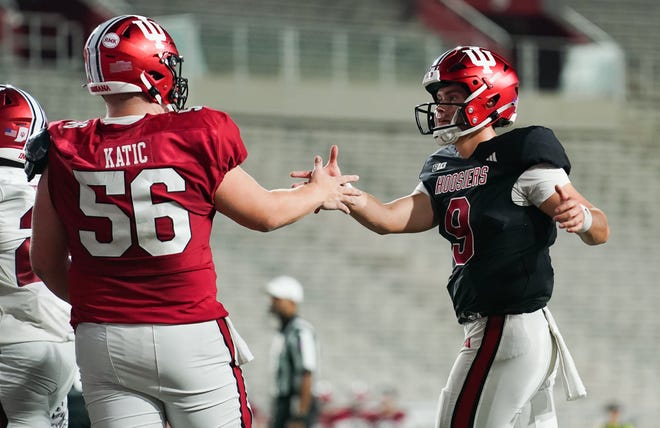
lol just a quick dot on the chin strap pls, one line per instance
(151, 88)
(451, 135)
(446, 137)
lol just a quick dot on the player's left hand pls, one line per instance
(569, 214)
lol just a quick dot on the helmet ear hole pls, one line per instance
(6, 100)
(156, 75)
(493, 101)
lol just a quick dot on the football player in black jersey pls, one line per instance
(496, 199)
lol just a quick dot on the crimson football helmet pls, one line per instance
(132, 53)
(20, 117)
(492, 85)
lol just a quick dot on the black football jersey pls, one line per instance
(500, 250)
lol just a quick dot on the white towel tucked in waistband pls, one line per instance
(242, 353)
(573, 385)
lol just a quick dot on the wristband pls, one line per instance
(588, 219)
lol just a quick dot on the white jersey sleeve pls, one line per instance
(537, 184)
(420, 189)
(28, 310)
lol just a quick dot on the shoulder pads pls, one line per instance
(542, 146)
(36, 153)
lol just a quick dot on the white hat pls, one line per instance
(285, 287)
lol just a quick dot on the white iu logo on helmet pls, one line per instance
(481, 58)
(152, 31)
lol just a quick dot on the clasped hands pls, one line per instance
(340, 194)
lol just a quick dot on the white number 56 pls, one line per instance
(145, 212)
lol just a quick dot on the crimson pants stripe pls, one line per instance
(246, 413)
(468, 399)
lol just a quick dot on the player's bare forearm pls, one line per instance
(370, 213)
(245, 201)
(49, 254)
(52, 268)
(57, 282)
(290, 205)
(408, 214)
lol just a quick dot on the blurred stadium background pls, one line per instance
(298, 76)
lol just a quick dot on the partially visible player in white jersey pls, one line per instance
(37, 362)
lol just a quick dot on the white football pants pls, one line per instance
(145, 375)
(35, 378)
(507, 364)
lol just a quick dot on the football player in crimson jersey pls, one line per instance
(131, 198)
(37, 361)
(496, 199)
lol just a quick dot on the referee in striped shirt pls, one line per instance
(295, 358)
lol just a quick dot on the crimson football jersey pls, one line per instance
(137, 204)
